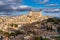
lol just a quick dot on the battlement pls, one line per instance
(35, 13)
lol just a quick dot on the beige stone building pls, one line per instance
(33, 16)
(35, 13)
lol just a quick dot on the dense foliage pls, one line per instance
(55, 20)
(40, 38)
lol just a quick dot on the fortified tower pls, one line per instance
(35, 13)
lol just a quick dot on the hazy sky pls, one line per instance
(24, 4)
(47, 6)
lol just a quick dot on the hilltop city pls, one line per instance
(33, 26)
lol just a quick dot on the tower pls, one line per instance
(35, 13)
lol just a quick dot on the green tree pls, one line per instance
(12, 34)
(1, 32)
(6, 34)
(13, 25)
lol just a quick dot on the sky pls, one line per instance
(49, 7)
(42, 3)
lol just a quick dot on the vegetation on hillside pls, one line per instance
(55, 20)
